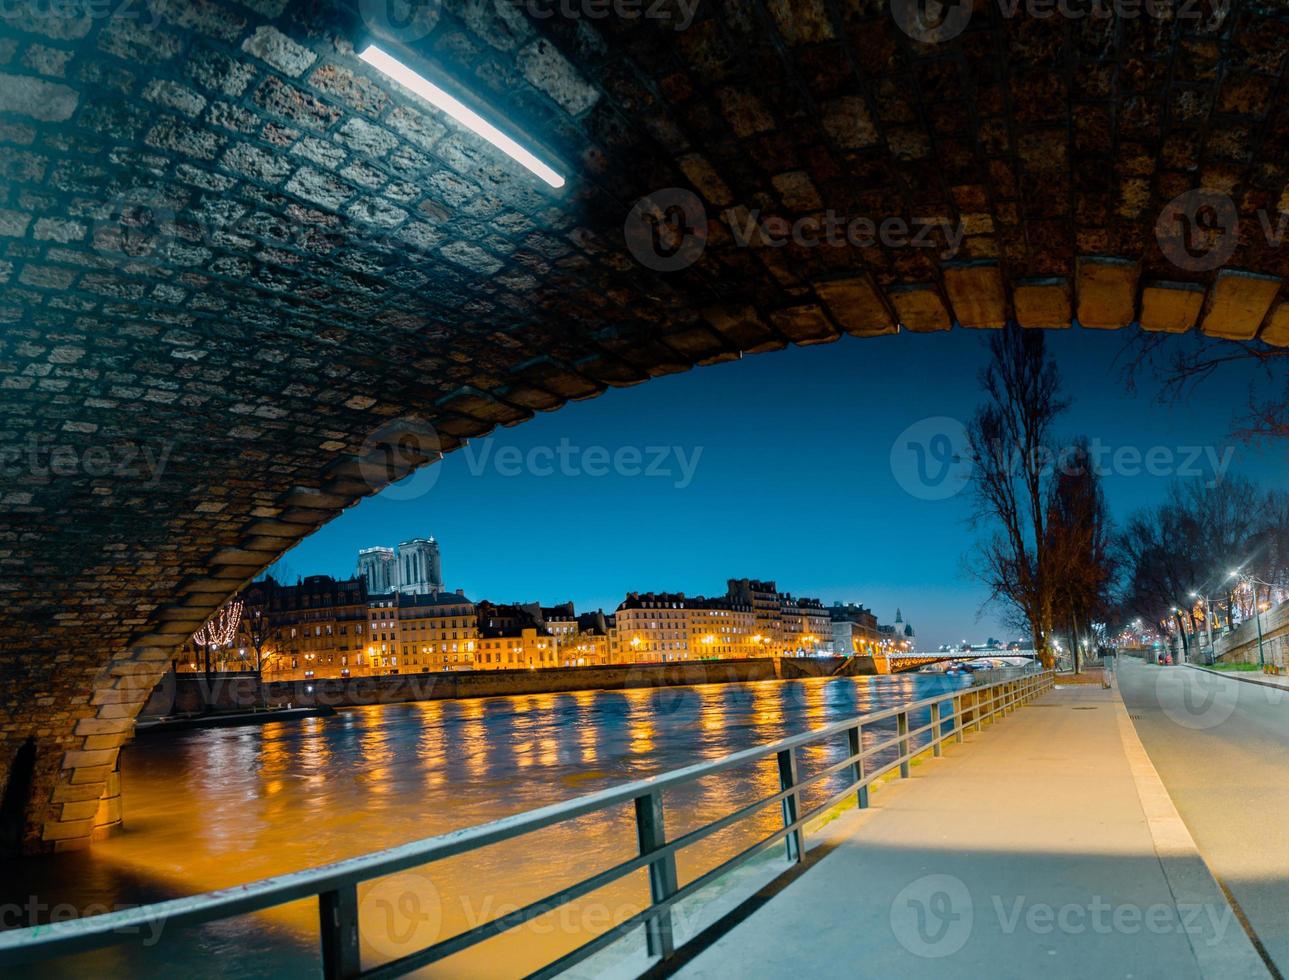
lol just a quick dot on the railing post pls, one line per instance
(957, 718)
(936, 751)
(788, 781)
(652, 835)
(338, 930)
(855, 738)
(902, 728)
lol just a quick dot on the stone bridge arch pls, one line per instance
(245, 280)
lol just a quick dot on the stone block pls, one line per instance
(1171, 307)
(919, 308)
(855, 304)
(1043, 303)
(805, 325)
(37, 98)
(92, 774)
(103, 726)
(1107, 292)
(976, 294)
(272, 46)
(1238, 303)
(81, 758)
(1276, 330)
(83, 810)
(67, 829)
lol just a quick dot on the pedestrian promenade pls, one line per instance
(1047, 848)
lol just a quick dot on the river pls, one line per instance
(210, 809)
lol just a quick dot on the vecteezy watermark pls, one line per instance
(937, 21)
(1203, 701)
(400, 20)
(41, 457)
(839, 231)
(934, 916)
(29, 11)
(679, 13)
(933, 459)
(667, 230)
(675, 463)
(394, 458)
(401, 913)
(53, 918)
(1199, 230)
(405, 912)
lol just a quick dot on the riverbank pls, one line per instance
(229, 719)
(192, 693)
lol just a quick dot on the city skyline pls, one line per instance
(538, 513)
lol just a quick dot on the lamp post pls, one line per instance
(1257, 613)
(1208, 623)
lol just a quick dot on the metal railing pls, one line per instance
(336, 885)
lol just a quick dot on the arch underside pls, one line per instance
(246, 282)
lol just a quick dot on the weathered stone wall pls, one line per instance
(184, 693)
(1241, 645)
(245, 282)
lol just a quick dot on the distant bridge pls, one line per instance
(901, 663)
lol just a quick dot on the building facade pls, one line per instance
(854, 630)
(668, 627)
(766, 602)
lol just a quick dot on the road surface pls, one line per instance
(1221, 747)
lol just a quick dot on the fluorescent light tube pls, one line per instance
(431, 93)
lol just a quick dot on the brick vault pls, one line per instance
(245, 280)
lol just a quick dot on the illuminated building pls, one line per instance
(667, 627)
(413, 568)
(426, 633)
(766, 603)
(807, 628)
(854, 630)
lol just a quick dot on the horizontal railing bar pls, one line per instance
(504, 923)
(626, 925)
(20, 945)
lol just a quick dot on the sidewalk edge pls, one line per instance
(1189, 877)
(1235, 676)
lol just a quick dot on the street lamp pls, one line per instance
(1257, 613)
(1208, 623)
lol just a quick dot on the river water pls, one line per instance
(211, 809)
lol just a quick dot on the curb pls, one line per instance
(1235, 676)
(1189, 878)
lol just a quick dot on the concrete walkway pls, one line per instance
(1045, 847)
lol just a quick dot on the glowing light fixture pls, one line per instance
(431, 93)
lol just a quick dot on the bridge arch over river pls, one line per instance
(248, 281)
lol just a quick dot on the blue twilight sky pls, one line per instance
(784, 469)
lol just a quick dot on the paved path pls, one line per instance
(1221, 746)
(1027, 852)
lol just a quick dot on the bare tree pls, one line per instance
(217, 633)
(1181, 365)
(1187, 546)
(1079, 546)
(261, 635)
(1010, 441)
